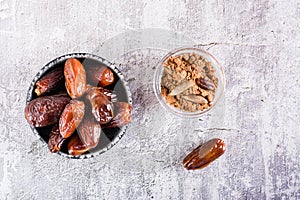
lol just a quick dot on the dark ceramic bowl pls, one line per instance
(108, 137)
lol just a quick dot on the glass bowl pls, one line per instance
(218, 73)
(108, 138)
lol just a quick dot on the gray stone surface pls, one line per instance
(257, 42)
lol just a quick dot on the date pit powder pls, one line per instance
(189, 82)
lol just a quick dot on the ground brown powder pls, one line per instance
(189, 82)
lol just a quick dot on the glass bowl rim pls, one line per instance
(157, 79)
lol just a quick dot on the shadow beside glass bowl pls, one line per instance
(218, 73)
(109, 137)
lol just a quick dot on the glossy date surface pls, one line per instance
(49, 82)
(106, 92)
(71, 118)
(56, 140)
(204, 154)
(89, 131)
(122, 117)
(76, 147)
(100, 76)
(75, 77)
(44, 111)
(102, 107)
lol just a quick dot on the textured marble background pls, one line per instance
(257, 42)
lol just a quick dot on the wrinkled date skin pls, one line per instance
(76, 147)
(44, 111)
(49, 82)
(123, 115)
(89, 131)
(102, 107)
(100, 76)
(75, 77)
(111, 96)
(56, 140)
(204, 154)
(71, 118)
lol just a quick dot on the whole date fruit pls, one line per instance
(56, 140)
(71, 118)
(110, 94)
(123, 115)
(76, 147)
(102, 107)
(44, 111)
(89, 131)
(100, 76)
(75, 76)
(49, 82)
(204, 154)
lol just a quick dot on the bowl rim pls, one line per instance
(55, 61)
(157, 79)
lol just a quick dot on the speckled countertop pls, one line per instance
(258, 44)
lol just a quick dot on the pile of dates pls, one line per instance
(79, 114)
